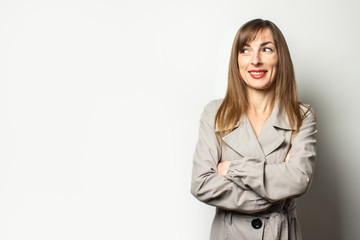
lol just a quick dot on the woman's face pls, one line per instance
(258, 60)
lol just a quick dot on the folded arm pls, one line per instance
(288, 179)
(207, 185)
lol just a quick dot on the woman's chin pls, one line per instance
(260, 88)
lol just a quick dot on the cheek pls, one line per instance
(270, 60)
(273, 73)
(275, 62)
(243, 74)
(242, 68)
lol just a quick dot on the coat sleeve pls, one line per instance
(276, 182)
(210, 187)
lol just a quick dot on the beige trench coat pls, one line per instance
(256, 200)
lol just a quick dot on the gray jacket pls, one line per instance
(256, 200)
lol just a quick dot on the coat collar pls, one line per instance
(279, 118)
(244, 141)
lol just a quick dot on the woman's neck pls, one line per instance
(260, 102)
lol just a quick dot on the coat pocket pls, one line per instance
(244, 227)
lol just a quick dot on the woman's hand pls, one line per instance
(288, 156)
(223, 167)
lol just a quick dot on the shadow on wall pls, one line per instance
(319, 209)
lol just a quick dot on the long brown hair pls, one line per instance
(236, 102)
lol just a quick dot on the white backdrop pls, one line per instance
(100, 104)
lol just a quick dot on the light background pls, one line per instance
(100, 104)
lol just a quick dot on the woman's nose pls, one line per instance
(256, 60)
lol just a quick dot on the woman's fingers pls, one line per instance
(223, 167)
(288, 156)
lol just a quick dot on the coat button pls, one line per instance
(256, 223)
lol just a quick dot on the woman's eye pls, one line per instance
(244, 50)
(267, 49)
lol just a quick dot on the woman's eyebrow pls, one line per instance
(261, 45)
(265, 43)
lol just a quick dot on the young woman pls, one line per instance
(256, 149)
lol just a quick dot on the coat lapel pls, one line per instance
(270, 137)
(244, 141)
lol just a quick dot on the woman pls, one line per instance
(256, 149)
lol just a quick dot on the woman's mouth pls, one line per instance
(257, 73)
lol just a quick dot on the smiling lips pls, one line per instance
(258, 73)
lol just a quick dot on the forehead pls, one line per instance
(255, 36)
(263, 35)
